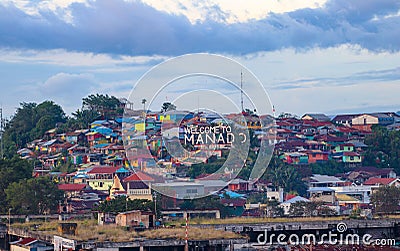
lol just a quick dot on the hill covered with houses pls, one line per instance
(320, 166)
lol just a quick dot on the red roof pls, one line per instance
(27, 241)
(103, 169)
(138, 176)
(346, 129)
(289, 196)
(379, 181)
(71, 187)
(346, 144)
(351, 154)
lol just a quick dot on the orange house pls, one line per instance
(315, 156)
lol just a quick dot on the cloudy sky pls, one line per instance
(325, 56)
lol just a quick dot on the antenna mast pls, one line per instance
(241, 90)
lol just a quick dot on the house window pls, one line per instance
(351, 157)
(191, 190)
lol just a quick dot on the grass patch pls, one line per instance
(88, 230)
(243, 220)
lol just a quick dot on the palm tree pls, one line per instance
(144, 104)
(144, 107)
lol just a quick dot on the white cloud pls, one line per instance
(67, 58)
(194, 10)
(233, 11)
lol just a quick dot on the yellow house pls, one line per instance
(140, 127)
(117, 188)
(102, 177)
(165, 117)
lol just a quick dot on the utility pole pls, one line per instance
(155, 204)
(186, 232)
(9, 225)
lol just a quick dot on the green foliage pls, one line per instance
(386, 199)
(30, 121)
(273, 209)
(65, 168)
(122, 204)
(167, 106)
(330, 167)
(33, 196)
(81, 119)
(205, 168)
(107, 106)
(312, 208)
(257, 198)
(383, 148)
(209, 202)
(12, 170)
(285, 176)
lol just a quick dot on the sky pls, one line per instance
(328, 56)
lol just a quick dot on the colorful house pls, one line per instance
(238, 185)
(295, 158)
(77, 137)
(71, 190)
(315, 156)
(99, 123)
(346, 147)
(138, 186)
(351, 157)
(95, 138)
(102, 177)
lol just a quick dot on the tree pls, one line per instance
(273, 209)
(386, 199)
(107, 106)
(330, 167)
(383, 148)
(298, 209)
(310, 208)
(285, 115)
(29, 122)
(80, 119)
(144, 104)
(12, 170)
(34, 196)
(209, 202)
(285, 176)
(167, 106)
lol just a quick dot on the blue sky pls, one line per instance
(311, 56)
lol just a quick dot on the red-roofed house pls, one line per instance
(139, 176)
(29, 244)
(382, 182)
(351, 157)
(138, 186)
(102, 177)
(73, 189)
